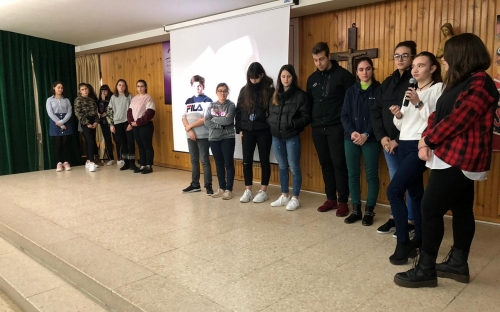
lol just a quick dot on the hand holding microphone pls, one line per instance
(411, 93)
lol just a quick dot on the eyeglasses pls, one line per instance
(403, 56)
(222, 91)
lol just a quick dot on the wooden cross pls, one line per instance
(352, 54)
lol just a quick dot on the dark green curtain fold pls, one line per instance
(18, 144)
(54, 61)
(51, 61)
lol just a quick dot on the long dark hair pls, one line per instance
(369, 60)
(465, 54)
(54, 84)
(92, 94)
(255, 70)
(279, 86)
(126, 93)
(108, 96)
(436, 75)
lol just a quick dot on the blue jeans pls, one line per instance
(393, 165)
(223, 152)
(287, 152)
(408, 177)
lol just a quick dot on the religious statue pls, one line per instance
(447, 31)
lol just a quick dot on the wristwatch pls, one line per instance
(367, 134)
(419, 104)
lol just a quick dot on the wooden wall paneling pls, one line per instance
(383, 25)
(380, 25)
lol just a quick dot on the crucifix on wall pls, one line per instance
(353, 53)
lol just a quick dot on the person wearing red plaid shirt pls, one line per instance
(457, 146)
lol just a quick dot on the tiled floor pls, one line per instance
(168, 251)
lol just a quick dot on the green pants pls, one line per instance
(371, 154)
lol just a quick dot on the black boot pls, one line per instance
(402, 253)
(126, 166)
(133, 166)
(356, 214)
(417, 242)
(455, 266)
(369, 214)
(423, 273)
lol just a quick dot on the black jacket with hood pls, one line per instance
(326, 91)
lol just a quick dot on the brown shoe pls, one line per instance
(328, 205)
(342, 210)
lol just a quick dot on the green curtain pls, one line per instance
(55, 61)
(51, 61)
(18, 143)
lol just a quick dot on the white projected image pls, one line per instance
(222, 52)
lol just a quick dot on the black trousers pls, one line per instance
(106, 133)
(62, 148)
(263, 140)
(144, 138)
(89, 135)
(329, 144)
(126, 140)
(447, 189)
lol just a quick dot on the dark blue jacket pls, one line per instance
(355, 114)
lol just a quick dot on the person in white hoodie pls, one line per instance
(411, 119)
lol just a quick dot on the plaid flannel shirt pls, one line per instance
(464, 137)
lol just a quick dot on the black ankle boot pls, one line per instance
(423, 273)
(416, 242)
(356, 214)
(132, 165)
(455, 266)
(402, 253)
(126, 166)
(369, 214)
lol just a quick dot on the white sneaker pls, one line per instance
(260, 197)
(293, 204)
(282, 201)
(87, 164)
(110, 163)
(227, 195)
(92, 167)
(120, 162)
(246, 197)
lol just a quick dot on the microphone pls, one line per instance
(413, 84)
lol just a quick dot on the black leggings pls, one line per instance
(61, 147)
(447, 189)
(89, 135)
(106, 133)
(144, 138)
(263, 140)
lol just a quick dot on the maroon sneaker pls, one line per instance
(328, 205)
(342, 210)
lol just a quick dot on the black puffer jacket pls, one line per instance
(292, 114)
(255, 118)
